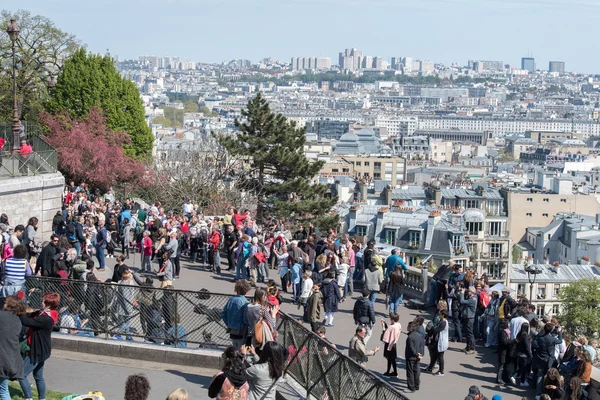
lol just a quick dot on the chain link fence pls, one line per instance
(189, 319)
(166, 316)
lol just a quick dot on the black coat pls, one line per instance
(46, 260)
(40, 330)
(504, 345)
(543, 346)
(363, 311)
(11, 362)
(331, 295)
(414, 345)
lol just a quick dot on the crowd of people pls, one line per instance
(315, 270)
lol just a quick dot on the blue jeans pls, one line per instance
(100, 255)
(395, 302)
(4, 393)
(38, 375)
(77, 246)
(240, 268)
(492, 337)
(373, 297)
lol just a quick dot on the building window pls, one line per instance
(541, 292)
(563, 200)
(361, 230)
(541, 311)
(455, 241)
(530, 199)
(555, 309)
(547, 200)
(495, 228)
(377, 165)
(528, 214)
(358, 163)
(377, 175)
(367, 163)
(390, 236)
(556, 290)
(495, 271)
(412, 260)
(473, 228)
(496, 250)
(414, 239)
(345, 170)
(461, 262)
(335, 170)
(521, 289)
(471, 203)
(582, 245)
(545, 215)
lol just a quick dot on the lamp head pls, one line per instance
(13, 30)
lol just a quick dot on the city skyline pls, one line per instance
(216, 32)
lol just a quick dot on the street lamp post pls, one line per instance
(532, 272)
(13, 33)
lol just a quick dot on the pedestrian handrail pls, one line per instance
(183, 318)
(43, 159)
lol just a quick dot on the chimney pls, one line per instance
(352, 217)
(388, 194)
(362, 188)
(598, 219)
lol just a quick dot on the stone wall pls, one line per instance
(32, 196)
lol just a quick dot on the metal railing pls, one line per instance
(324, 372)
(181, 318)
(110, 310)
(43, 159)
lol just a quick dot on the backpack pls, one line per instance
(483, 300)
(71, 232)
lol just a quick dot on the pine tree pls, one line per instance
(90, 81)
(272, 150)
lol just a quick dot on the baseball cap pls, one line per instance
(496, 397)
(474, 390)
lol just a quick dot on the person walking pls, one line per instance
(413, 353)
(438, 338)
(468, 306)
(395, 289)
(373, 278)
(524, 356)
(357, 349)
(390, 337)
(331, 297)
(364, 314)
(314, 308)
(504, 344)
(543, 348)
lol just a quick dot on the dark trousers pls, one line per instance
(230, 259)
(522, 364)
(441, 291)
(457, 327)
(436, 357)
(413, 374)
(502, 375)
(468, 328)
(391, 359)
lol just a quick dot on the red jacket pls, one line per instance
(215, 238)
(147, 246)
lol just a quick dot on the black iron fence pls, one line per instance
(184, 318)
(131, 312)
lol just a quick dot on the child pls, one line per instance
(177, 332)
(306, 291)
(273, 293)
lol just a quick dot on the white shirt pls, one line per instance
(515, 326)
(307, 285)
(188, 208)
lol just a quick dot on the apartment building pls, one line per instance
(548, 283)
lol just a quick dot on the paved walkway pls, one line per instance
(462, 370)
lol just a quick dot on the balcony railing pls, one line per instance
(43, 159)
(493, 255)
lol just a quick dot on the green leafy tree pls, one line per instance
(516, 254)
(173, 114)
(276, 170)
(40, 50)
(581, 307)
(190, 106)
(90, 81)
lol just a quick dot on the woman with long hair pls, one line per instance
(504, 343)
(524, 355)
(11, 362)
(395, 289)
(575, 391)
(40, 324)
(28, 237)
(266, 371)
(260, 308)
(331, 297)
(16, 268)
(125, 301)
(232, 382)
(553, 385)
(112, 228)
(390, 337)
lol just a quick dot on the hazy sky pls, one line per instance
(440, 30)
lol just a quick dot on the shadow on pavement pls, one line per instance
(193, 378)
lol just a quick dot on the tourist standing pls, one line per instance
(234, 312)
(373, 278)
(364, 314)
(40, 324)
(390, 337)
(413, 353)
(314, 308)
(438, 337)
(16, 268)
(395, 289)
(231, 383)
(357, 349)
(468, 306)
(11, 361)
(265, 371)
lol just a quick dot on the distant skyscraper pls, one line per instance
(528, 64)
(556, 66)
